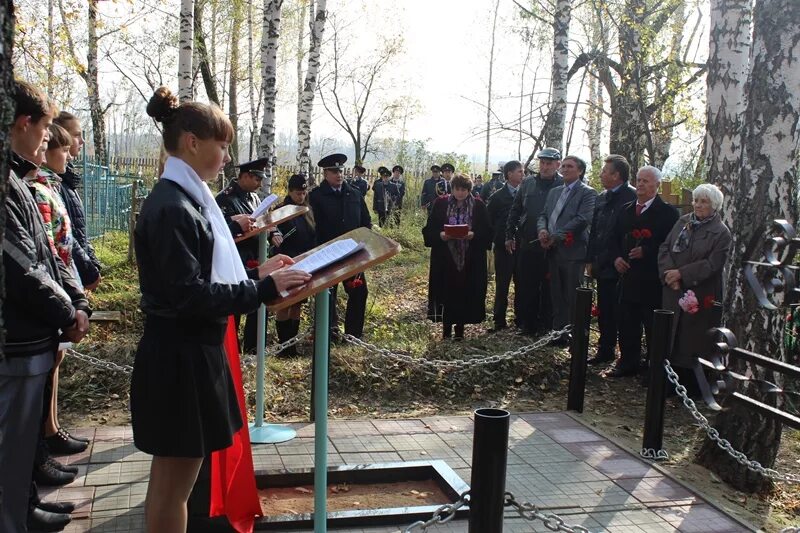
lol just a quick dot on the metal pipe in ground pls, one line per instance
(661, 341)
(489, 459)
(579, 348)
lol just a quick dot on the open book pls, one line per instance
(264, 205)
(328, 255)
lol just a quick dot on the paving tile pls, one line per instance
(400, 427)
(626, 468)
(112, 452)
(77, 458)
(361, 458)
(698, 518)
(446, 424)
(297, 446)
(358, 443)
(113, 433)
(570, 435)
(80, 496)
(653, 490)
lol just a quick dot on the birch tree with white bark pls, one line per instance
(309, 90)
(554, 126)
(489, 90)
(270, 36)
(768, 185)
(185, 45)
(728, 59)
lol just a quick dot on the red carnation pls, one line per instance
(357, 281)
(251, 263)
(708, 302)
(595, 311)
(569, 239)
(637, 234)
(646, 233)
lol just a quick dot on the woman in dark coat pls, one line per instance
(690, 264)
(299, 236)
(457, 278)
(183, 402)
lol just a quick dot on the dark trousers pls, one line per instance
(565, 276)
(382, 219)
(505, 270)
(532, 288)
(633, 317)
(607, 320)
(356, 308)
(250, 335)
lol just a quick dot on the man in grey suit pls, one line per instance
(564, 233)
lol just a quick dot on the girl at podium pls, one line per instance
(183, 401)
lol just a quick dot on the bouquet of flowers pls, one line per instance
(569, 239)
(690, 304)
(355, 282)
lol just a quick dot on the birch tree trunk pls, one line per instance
(93, 89)
(728, 57)
(233, 87)
(185, 43)
(6, 119)
(251, 83)
(767, 185)
(309, 89)
(270, 36)
(554, 127)
(489, 95)
(202, 53)
(51, 49)
(594, 116)
(301, 51)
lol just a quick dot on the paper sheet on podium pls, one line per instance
(328, 255)
(264, 205)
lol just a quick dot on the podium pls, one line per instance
(377, 249)
(260, 431)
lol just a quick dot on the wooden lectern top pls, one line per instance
(272, 219)
(377, 249)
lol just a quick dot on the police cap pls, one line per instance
(359, 169)
(549, 153)
(255, 167)
(436, 168)
(448, 166)
(397, 168)
(383, 171)
(332, 162)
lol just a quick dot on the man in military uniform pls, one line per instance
(447, 174)
(385, 197)
(522, 240)
(477, 187)
(359, 180)
(493, 185)
(237, 202)
(429, 195)
(338, 208)
(399, 182)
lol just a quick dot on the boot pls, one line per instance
(283, 328)
(293, 331)
(447, 330)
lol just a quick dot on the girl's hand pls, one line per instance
(272, 264)
(288, 279)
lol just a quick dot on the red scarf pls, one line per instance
(233, 480)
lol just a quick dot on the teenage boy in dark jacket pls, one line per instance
(43, 303)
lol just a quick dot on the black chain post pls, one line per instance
(579, 348)
(656, 392)
(489, 458)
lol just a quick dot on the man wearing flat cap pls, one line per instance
(428, 195)
(522, 240)
(237, 202)
(338, 208)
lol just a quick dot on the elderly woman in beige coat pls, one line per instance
(690, 265)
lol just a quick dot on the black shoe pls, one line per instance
(50, 476)
(40, 520)
(621, 373)
(79, 439)
(459, 333)
(56, 507)
(61, 466)
(600, 359)
(62, 444)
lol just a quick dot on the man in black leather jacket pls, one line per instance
(600, 261)
(43, 303)
(339, 208)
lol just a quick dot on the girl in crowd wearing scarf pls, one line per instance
(183, 401)
(457, 278)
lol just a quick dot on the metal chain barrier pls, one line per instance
(100, 363)
(460, 364)
(792, 529)
(247, 360)
(551, 521)
(442, 515)
(654, 455)
(713, 434)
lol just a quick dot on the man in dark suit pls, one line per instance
(359, 180)
(522, 239)
(339, 208)
(504, 261)
(429, 195)
(564, 233)
(385, 196)
(599, 260)
(640, 229)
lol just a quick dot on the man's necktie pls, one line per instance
(562, 200)
(639, 208)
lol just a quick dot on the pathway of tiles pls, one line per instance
(554, 461)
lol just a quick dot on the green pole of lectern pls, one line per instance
(260, 431)
(321, 346)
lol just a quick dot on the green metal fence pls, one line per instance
(108, 196)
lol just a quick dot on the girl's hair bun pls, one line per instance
(162, 104)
